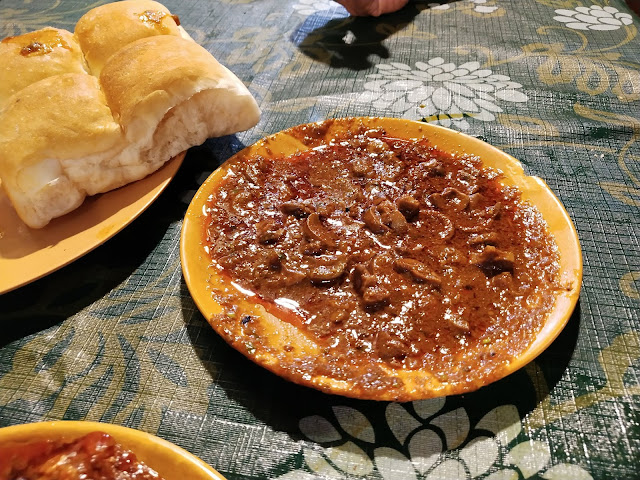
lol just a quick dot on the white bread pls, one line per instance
(36, 55)
(37, 134)
(104, 30)
(140, 102)
(68, 133)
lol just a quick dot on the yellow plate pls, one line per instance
(169, 460)
(29, 254)
(201, 278)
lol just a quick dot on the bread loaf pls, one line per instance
(86, 113)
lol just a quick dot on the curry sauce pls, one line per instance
(95, 456)
(387, 251)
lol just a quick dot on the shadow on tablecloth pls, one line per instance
(348, 42)
(239, 385)
(62, 294)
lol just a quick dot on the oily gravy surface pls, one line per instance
(368, 262)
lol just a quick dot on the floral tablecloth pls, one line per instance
(116, 337)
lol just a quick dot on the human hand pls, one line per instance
(372, 8)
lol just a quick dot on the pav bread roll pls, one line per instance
(104, 30)
(38, 137)
(186, 80)
(66, 132)
(36, 55)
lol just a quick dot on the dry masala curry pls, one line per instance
(388, 253)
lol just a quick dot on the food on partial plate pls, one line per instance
(86, 113)
(94, 456)
(375, 266)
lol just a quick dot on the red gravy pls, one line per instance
(390, 250)
(96, 456)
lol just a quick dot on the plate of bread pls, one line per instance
(95, 123)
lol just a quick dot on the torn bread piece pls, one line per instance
(187, 90)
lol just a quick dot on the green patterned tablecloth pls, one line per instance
(116, 337)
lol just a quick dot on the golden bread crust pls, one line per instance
(180, 69)
(104, 30)
(36, 136)
(67, 131)
(36, 55)
(33, 129)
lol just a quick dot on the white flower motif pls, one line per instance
(401, 422)
(428, 407)
(392, 464)
(454, 425)
(503, 475)
(441, 92)
(354, 423)
(594, 17)
(479, 455)
(438, 6)
(334, 462)
(530, 457)
(309, 7)
(318, 429)
(564, 471)
(458, 453)
(480, 8)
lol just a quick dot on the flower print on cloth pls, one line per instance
(438, 6)
(309, 7)
(440, 446)
(440, 92)
(477, 6)
(594, 17)
(480, 7)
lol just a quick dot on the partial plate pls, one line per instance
(169, 460)
(205, 284)
(28, 254)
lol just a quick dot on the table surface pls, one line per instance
(116, 337)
